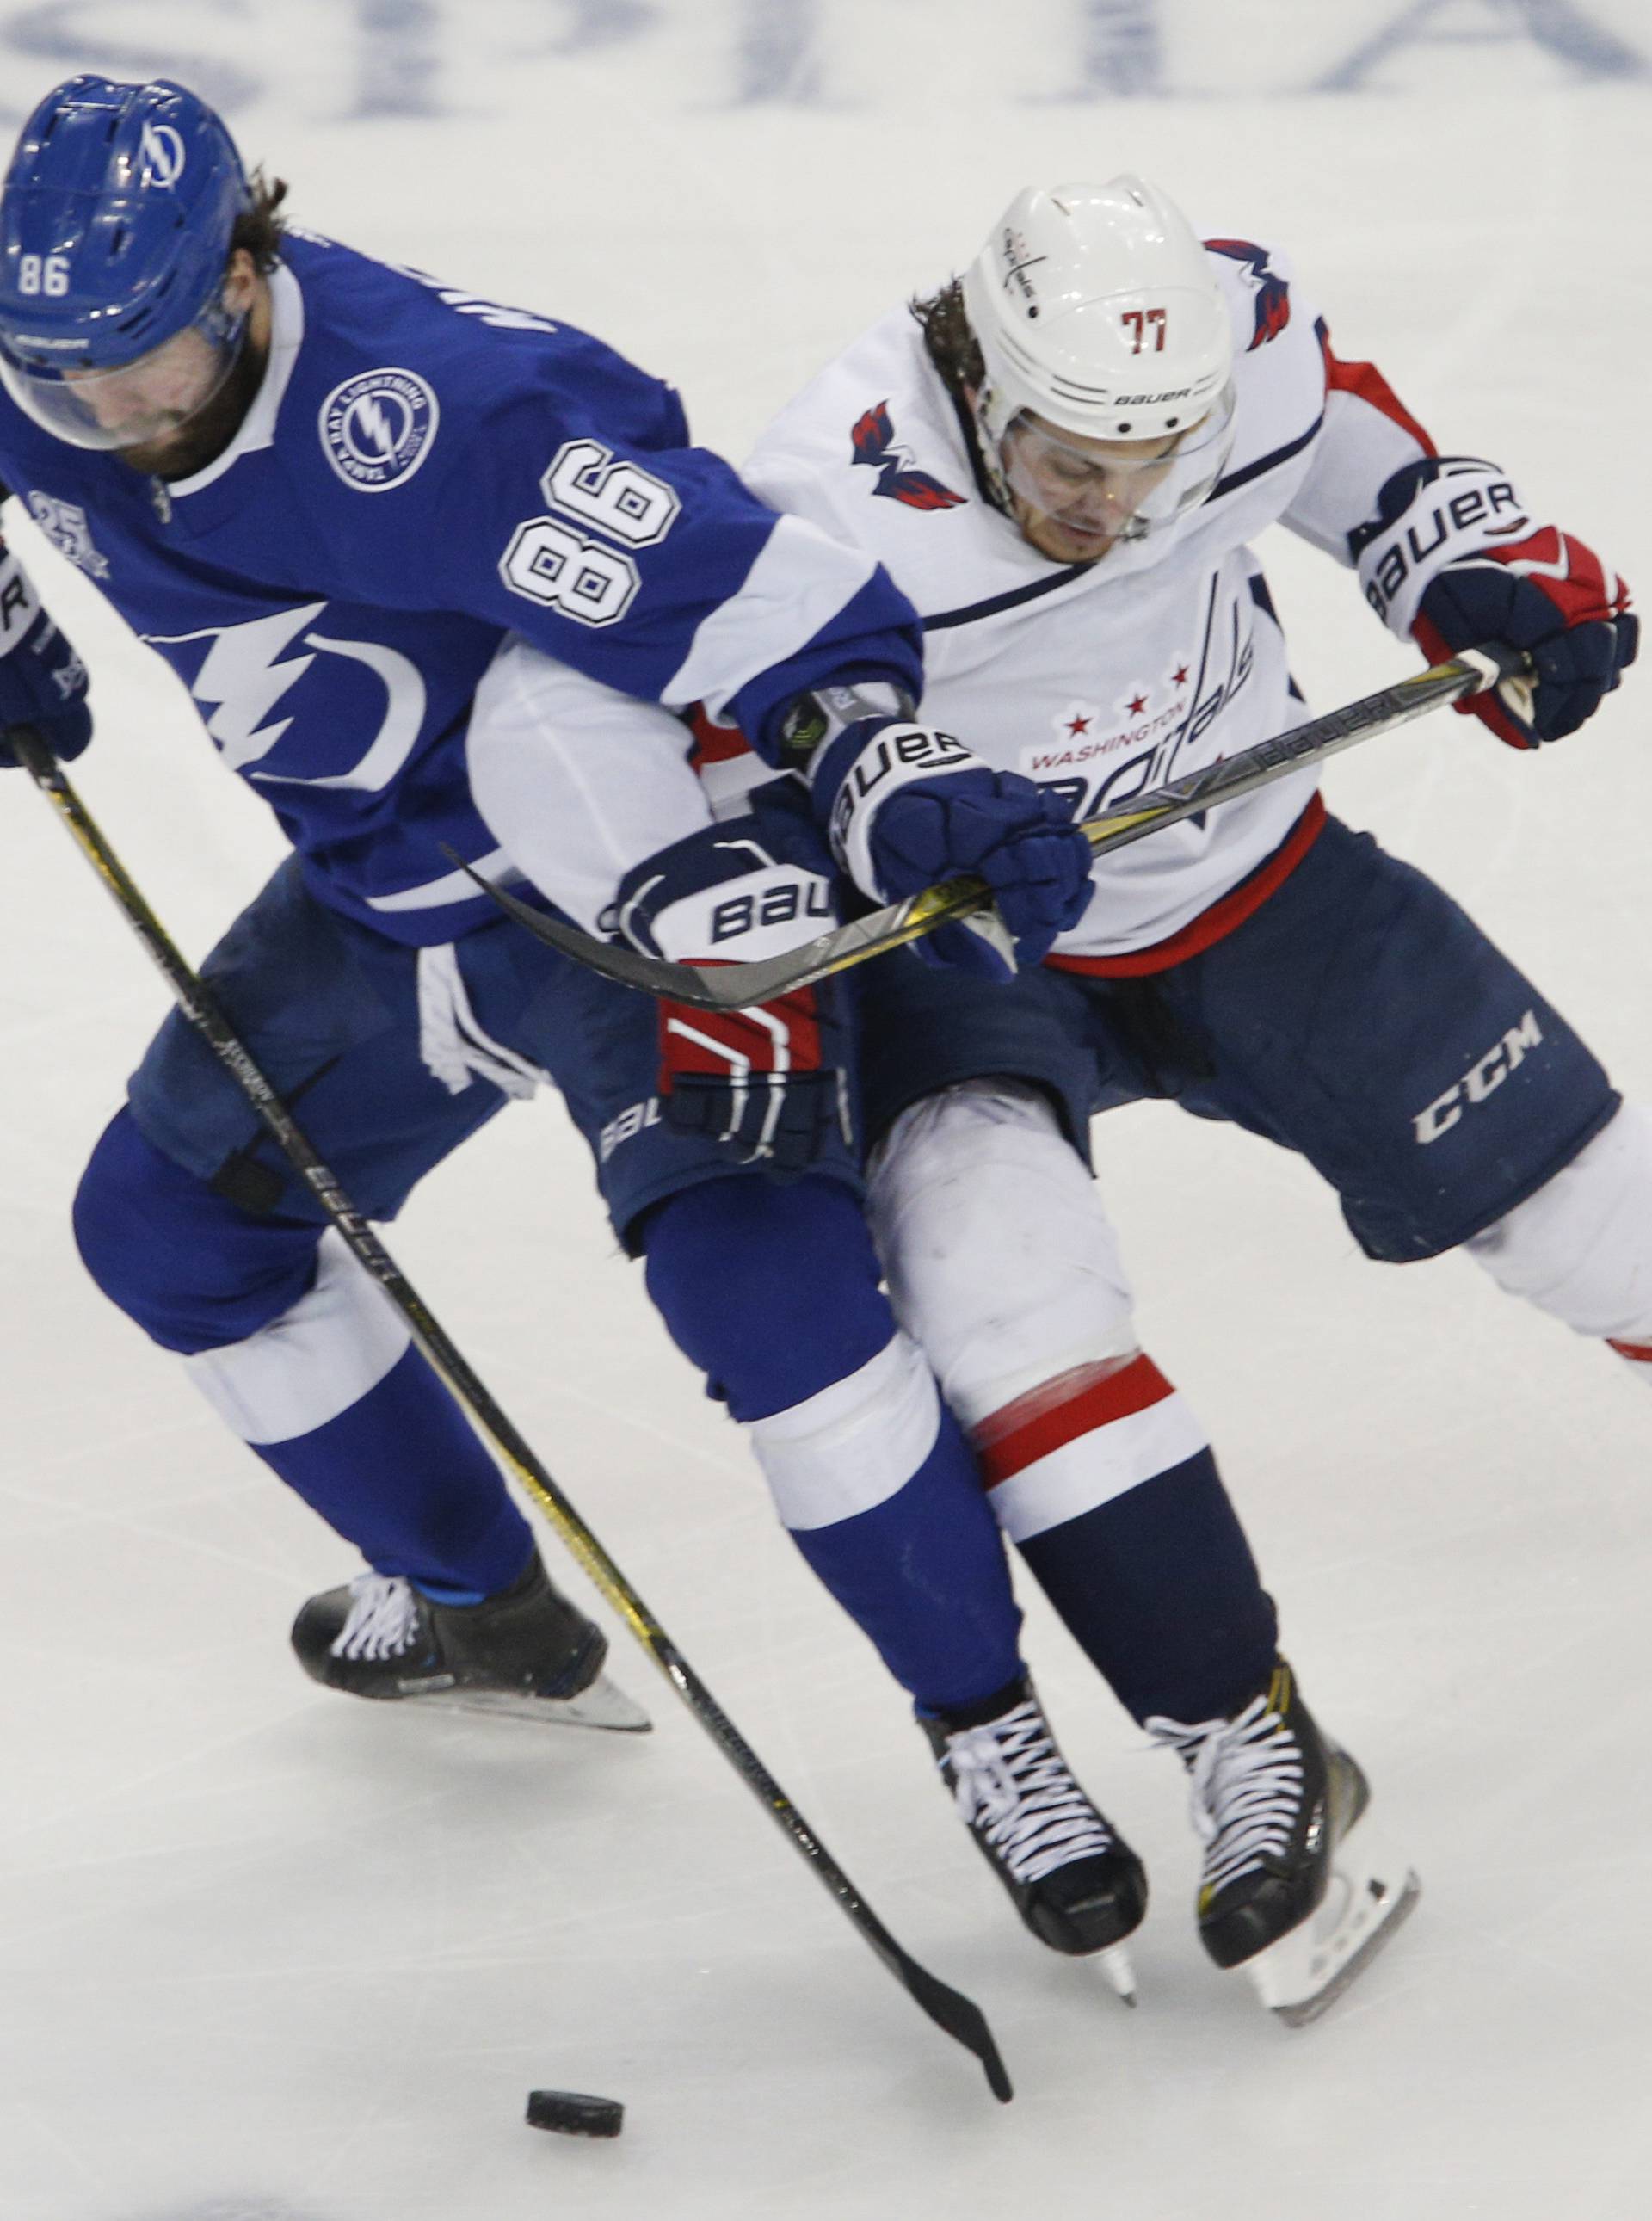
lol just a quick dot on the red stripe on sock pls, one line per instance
(1638, 1353)
(1058, 1411)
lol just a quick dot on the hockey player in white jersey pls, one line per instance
(1062, 458)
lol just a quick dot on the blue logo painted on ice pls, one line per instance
(378, 428)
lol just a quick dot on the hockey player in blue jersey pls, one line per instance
(341, 500)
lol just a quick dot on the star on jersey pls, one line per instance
(873, 441)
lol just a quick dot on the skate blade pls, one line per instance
(1369, 1900)
(1115, 1964)
(601, 1703)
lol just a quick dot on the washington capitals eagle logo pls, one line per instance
(874, 439)
(1273, 294)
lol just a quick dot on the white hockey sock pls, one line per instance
(1581, 1249)
(854, 1445)
(320, 1357)
(1080, 1440)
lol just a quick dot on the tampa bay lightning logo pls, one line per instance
(161, 152)
(873, 438)
(378, 428)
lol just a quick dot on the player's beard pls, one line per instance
(202, 438)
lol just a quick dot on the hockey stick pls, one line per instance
(958, 2016)
(738, 987)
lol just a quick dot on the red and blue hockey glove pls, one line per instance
(1457, 559)
(770, 1083)
(907, 805)
(756, 1080)
(1551, 596)
(42, 681)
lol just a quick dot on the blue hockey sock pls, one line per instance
(400, 1474)
(304, 1359)
(922, 1571)
(1106, 1482)
(1160, 1588)
(775, 1292)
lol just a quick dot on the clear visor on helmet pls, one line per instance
(1124, 488)
(131, 404)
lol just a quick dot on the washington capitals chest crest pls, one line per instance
(898, 479)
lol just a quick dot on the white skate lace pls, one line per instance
(1009, 1777)
(1246, 1787)
(383, 1614)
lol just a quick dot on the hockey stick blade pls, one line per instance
(962, 2019)
(953, 2014)
(739, 986)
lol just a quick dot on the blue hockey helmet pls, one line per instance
(116, 214)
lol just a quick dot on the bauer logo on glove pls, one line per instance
(1455, 559)
(909, 807)
(771, 1083)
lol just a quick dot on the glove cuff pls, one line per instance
(20, 605)
(722, 894)
(856, 774)
(1428, 514)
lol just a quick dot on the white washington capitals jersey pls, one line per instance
(422, 477)
(1106, 679)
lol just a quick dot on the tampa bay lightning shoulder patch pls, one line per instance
(378, 427)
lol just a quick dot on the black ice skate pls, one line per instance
(527, 1651)
(1285, 1892)
(1075, 1882)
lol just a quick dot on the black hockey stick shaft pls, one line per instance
(737, 986)
(958, 2016)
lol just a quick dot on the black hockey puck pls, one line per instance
(573, 2114)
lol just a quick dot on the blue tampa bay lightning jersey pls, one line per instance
(421, 475)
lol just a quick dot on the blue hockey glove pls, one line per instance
(1455, 558)
(772, 1083)
(42, 681)
(908, 805)
(1551, 596)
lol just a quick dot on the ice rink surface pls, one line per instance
(266, 1954)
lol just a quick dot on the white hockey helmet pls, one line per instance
(1096, 310)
